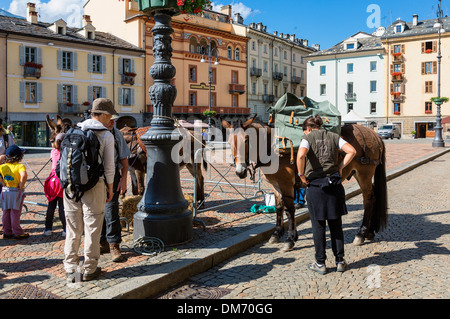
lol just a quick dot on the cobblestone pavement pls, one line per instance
(410, 259)
(37, 261)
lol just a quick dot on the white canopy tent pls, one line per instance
(353, 117)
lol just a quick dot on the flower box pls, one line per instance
(428, 51)
(428, 112)
(397, 54)
(397, 113)
(396, 73)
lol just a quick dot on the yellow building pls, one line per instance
(412, 74)
(192, 37)
(52, 68)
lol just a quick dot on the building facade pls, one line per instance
(275, 66)
(194, 37)
(351, 76)
(411, 73)
(52, 68)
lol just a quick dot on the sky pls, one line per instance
(324, 22)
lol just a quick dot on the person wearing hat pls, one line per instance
(87, 215)
(112, 229)
(13, 177)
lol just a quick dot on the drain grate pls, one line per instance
(192, 290)
(28, 292)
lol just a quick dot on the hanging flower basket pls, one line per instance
(177, 6)
(209, 113)
(439, 100)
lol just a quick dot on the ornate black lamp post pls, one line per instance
(438, 140)
(162, 212)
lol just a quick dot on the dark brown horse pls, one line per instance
(138, 160)
(368, 163)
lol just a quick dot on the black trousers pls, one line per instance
(337, 239)
(51, 213)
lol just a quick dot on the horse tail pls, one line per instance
(380, 217)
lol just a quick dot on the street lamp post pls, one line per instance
(163, 211)
(438, 140)
(210, 79)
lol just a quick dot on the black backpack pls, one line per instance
(79, 165)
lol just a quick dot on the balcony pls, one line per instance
(268, 98)
(350, 96)
(68, 108)
(198, 110)
(128, 78)
(397, 77)
(32, 70)
(237, 88)
(398, 59)
(296, 79)
(397, 97)
(278, 76)
(255, 72)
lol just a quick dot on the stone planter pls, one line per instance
(150, 6)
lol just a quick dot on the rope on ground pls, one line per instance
(148, 246)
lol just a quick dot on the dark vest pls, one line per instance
(322, 157)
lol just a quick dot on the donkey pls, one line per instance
(138, 160)
(369, 163)
(61, 126)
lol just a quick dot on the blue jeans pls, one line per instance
(112, 229)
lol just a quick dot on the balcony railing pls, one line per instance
(350, 96)
(255, 72)
(237, 88)
(278, 76)
(296, 79)
(198, 110)
(31, 72)
(68, 108)
(397, 97)
(127, 79)
(268, 98)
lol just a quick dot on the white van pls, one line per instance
(390, 131)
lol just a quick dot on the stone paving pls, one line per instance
(38, 260)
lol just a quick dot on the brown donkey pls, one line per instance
(368, 163)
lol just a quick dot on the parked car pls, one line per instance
(390, 131)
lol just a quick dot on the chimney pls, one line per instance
(317, 47)
(86, 20)
(226, 10)
(305, 42)
(415, 19)
(292, 37)
(238, 18)
(275, 33)
(32, 15)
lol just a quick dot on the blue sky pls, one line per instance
(320, 21)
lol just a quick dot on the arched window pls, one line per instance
(230, 53)
(203, 46)
(193, 45)
(238, 54)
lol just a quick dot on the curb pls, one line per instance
(199, 261)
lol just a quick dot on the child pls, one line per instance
(53, 190)
(13, 177)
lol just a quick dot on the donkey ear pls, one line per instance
(225, 124)
(50, 123)
(59, 120)
(249, 122)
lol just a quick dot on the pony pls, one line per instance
(369, 162)
(138, 160)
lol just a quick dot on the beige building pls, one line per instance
(193, 36)
(53, 68)
(412, 74)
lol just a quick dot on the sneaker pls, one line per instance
(47, 232)
(320, 268)
(70, 277)
(341, 266)
(95, 274)
(22, 236)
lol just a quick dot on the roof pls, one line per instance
(366, 43)
(352, 117)
(9, 14)
(422, 28)
(40, 30)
